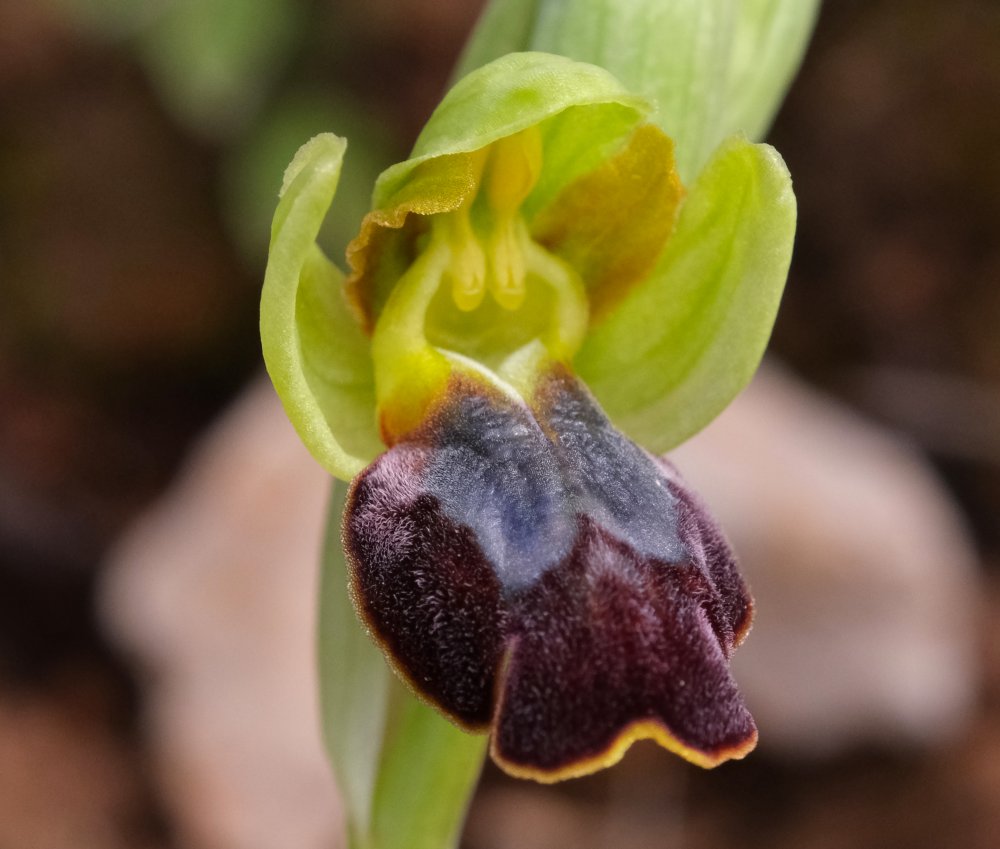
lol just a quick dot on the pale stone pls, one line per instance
(215, 593)
(863, 573)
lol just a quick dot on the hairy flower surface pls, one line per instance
(529, 568)
(525, 566)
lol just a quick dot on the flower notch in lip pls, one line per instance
(529, 568)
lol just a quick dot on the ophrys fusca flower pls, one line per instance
(531, 283)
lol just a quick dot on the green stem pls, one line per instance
(405, 773)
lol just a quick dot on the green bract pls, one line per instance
(661, 302)
(711, 67)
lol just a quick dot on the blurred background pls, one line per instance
(141, 148)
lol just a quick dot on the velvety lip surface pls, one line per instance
(531, 569)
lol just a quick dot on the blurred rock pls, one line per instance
(640, 804)
(862, 573)
(214, 594)
(864, 578)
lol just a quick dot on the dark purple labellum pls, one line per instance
(531, 569)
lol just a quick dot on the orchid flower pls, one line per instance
(532, 291)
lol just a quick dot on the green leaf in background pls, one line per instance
(252, 171)
(405, 773)
(712, 67)
(683, 344)
(212, 61)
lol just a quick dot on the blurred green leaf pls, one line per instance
(252, 172)
(212, 61)
(505, 26)
(110, 19)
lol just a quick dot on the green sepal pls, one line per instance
(711, 67)
(582, 118)
(518, 91)
(316, 354)
(505, 26)
(683, 343)
(377, 733)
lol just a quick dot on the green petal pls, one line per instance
(513, 93)
(377, 734)
(683, 344)
(315, 352)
